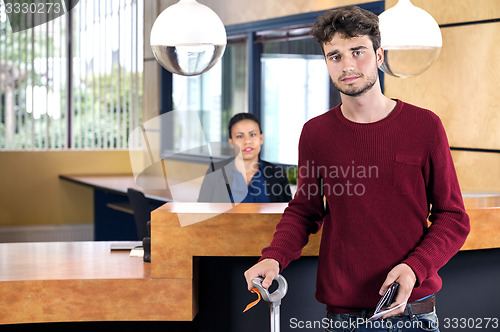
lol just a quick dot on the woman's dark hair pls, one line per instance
(240, 117)
(349, 22)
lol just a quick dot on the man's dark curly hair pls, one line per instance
(349, 22)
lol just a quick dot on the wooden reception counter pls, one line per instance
(85, 281)
(210, 229)
(243, 230)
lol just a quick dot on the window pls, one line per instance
(91, 101)
(211, 98)
(295, 87)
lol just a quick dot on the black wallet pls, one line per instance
(388, 297)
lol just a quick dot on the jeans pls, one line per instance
(353, 323)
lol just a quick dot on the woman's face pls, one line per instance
(247, 136)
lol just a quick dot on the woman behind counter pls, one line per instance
(245, 178)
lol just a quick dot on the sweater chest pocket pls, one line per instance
(407, 173)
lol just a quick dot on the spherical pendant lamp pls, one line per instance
(411, 40)
(188, 38)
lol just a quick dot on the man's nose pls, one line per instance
(348, 64)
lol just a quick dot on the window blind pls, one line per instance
(74, 82)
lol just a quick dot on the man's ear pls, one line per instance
(380, 56)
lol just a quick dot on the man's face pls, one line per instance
(352, 64)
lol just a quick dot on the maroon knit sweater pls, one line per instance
(380, 181)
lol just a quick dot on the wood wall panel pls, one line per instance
(150, 14)
(444, 11)
(151, 72)
(243, 11)
(461, 86)
(456, 11)
(477, 171)
(151, 104)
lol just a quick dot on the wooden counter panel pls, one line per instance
(241, 231)
(84, 281)
(484, 214)
(35, 301)
(485, 229)
(482, 201)
(245, 229)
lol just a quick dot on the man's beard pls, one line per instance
(355, 92)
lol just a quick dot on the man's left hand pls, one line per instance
(406, 278)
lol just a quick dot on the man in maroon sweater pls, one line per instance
(384, 169)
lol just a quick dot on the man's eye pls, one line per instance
(239, 136)
(253, 134)
(357, 53)
(334, 58)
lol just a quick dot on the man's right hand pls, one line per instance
(267, 268)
